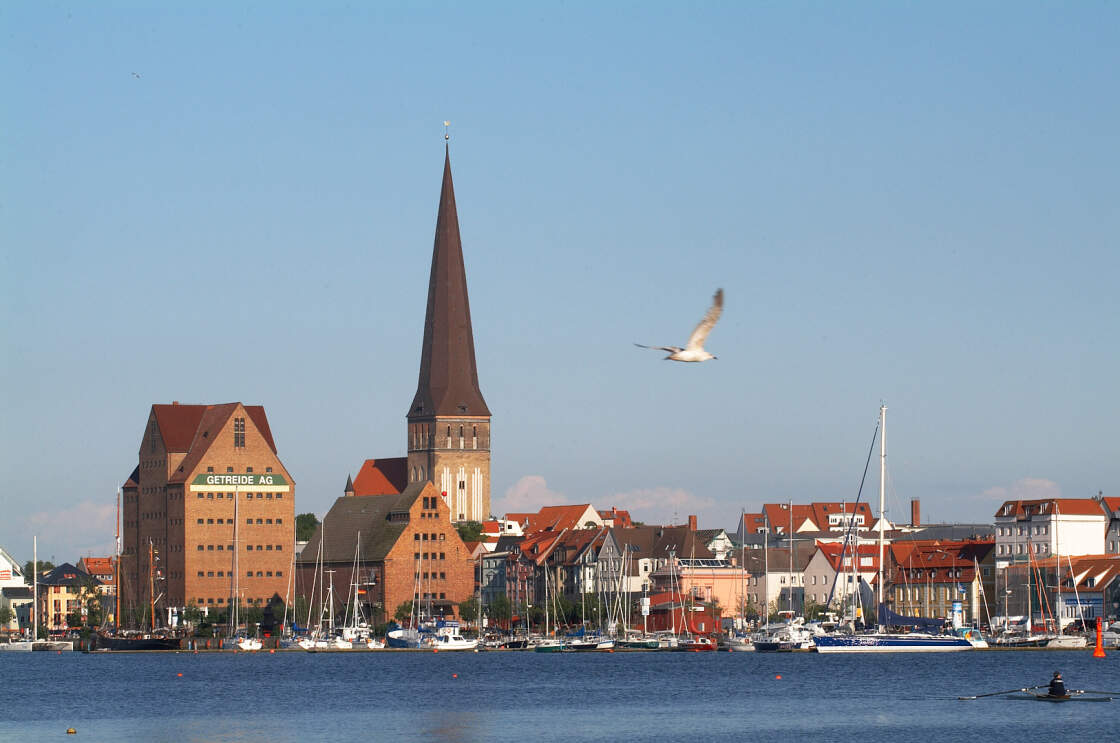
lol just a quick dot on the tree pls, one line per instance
(29, 571)
(306, 523)
(469, 531)
(403, 612)
(468, 609)
(500, 608)
(6, 615)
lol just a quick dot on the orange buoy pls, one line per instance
(71, 731)
(180, 675)
(454, 675)
(1098, 650)
(778, 677)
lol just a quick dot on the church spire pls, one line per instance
(448, 383)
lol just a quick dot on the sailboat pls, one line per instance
(1062, 641)
(553, 643)
(883, 641)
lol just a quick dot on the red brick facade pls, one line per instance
(208, 480)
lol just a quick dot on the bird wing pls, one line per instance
(700, 334)
(670, 349)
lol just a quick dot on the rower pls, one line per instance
(1057, 686)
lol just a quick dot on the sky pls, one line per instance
(913, 204)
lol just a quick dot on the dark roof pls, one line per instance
(16, 592)
(133, 480)
(349, 486)
(658, 541)
(66, 575)
(448, 383)
(367, 515)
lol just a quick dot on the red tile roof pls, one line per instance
(821, 512)
(620, 518)
(382, 476)
(208, 421)
(555, 518)
(778, 516)
(1025, 509)
(754, 522)
(1113, 505)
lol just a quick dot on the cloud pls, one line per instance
(86, 528)
(661, 505)
(528, 495)
(1028, 488)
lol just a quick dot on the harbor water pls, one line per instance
(493, 696)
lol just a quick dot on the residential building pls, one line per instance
(1089, 588)
(1032, 529)
(924, 577)
(208, 515)
(1112, 530)
(62, 595)
(15, 593)
(835, 572)
(448, 420)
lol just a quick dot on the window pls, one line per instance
(238, 433)
(200, 521)
(416, 537)
(279, 548)
(279, 573)
(260, 521)
(268, 469)
(201, 496)
(219, 548)
(261, 575)
(200, 574)
(268, 548)
(209, 469)
(248, 573)
(248, 521)
(229, 470)
(209, 547)
(279, 521)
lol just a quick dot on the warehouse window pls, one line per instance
(238, 432)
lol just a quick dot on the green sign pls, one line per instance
(239, 481)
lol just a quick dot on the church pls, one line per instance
(396, 518)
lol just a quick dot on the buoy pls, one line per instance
(435, 650)
(71, 731)
(180, 675)
(778, 677)
(454, 675)
(1098, 650)
(272, 651)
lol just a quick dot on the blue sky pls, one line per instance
(914, 203)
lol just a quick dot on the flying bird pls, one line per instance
(694, 349)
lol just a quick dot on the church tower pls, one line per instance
(449, 423)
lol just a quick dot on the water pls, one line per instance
(632, 697)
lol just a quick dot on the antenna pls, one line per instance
(446, 132)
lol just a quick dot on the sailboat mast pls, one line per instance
(35, 589)
(882, 490)
(151, 582)
(117, 579)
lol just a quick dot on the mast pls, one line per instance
(35, 590)
(882, 494)
(117, 579)
(151, 581)
(789, 604)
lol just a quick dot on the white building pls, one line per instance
(1043, 528)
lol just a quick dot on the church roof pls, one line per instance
(448, 383)
(369, 516)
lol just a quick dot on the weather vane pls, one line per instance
(446, 135)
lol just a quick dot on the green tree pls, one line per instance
(29, 570)
(6, 615)
(306, 523)
(468, 609)
(469, 531)
(403, 612)
(500, 609)
(813, 610)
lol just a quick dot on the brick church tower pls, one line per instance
(449, 423)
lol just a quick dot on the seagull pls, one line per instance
(694, 351)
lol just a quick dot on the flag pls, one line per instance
(960, 588)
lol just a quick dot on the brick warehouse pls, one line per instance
(407, 549)
(216, 504)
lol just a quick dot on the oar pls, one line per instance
(997, 693)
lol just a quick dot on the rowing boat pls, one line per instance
(1030, 696)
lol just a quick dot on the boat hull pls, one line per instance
(885, 643)
(107, 642)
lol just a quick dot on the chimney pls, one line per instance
(174, 402)
(915, 512)
(692, 523)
